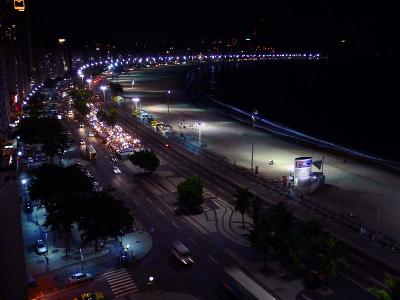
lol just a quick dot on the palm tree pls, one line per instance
(313, 238)
(259, 236)
(392, 292)
(328, 257)
(242, 202)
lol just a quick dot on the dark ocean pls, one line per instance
(352, 103)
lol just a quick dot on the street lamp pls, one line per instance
(24, 182)
(168, 93)
(81, 75)
(133, 83)
(252, 139)
(136, 100)
(89, 81)
(103, 88)
(200, 125)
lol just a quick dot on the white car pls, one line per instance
(80, 277)
(40, 247)
(182, 253)
(117, 170)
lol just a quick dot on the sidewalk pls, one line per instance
(140, 244)
(37, 264)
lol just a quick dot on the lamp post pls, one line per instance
(252, 138)
(103, 88)
(89, 81)
(168, 93)
(136, 100)
(150, 283)
(81, 75)
(24, 182)
(133, 83)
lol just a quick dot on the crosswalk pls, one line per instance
(121, 283)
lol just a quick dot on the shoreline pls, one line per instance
(286, 133)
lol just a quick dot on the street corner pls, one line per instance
(138, 243)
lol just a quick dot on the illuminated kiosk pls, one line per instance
(305, 180)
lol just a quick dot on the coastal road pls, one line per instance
(355, 266)
(165, 227)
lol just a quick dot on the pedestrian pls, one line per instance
(47, 259)
(151, 229)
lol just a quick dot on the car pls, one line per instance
(117, 170)
(182, 253)
(28, 207)
(82, 142)
(113, 159)
(81, 125)
(91, 134)
(40, 247)
(79, 277)
(167, 146)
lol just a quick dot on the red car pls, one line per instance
(168, 146)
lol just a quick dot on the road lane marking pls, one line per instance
(355, 282)
(221, 190)
(134, 200)
(306, 297)
(148, 199)
(193, 241)
(377, 281)
(212, 258)
(161, 211)
(358, 258)
(344, 262)
(175, 225)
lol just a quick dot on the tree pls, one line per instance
(146, 160)
(81, 99)
(259, 236)
(256, 206)
(190, 193)
(392, 290)
(282, 223)
(328, 257)
(313, 239)
(109, 117)
(116, 88)
(61, 191)
(104, 216)
(46, 131)
(35, 106)
(242, 202)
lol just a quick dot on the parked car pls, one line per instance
(40, 247)
(80, 277)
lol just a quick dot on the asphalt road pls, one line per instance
(151, 211)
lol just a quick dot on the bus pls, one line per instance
(90, 152)
(243, 287)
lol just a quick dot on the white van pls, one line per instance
(181, 252)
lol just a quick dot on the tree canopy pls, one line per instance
(145, 159)
(190, 193)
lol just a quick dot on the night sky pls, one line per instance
(300, 25)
